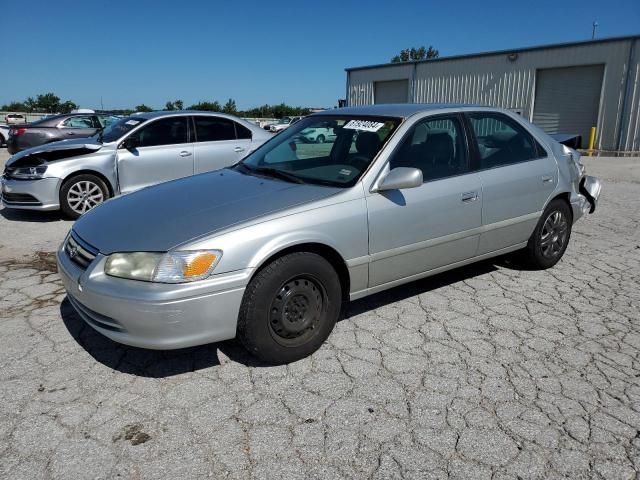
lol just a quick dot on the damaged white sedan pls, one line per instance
(136, 152)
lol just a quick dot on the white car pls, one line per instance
(318, 135)
(15, 119)
(4, 134)
(283, 123)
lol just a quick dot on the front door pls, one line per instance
(162, 152)
(415, 230)
(220, 142)
(518, 177)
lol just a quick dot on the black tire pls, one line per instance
(289, 308)
(69, 209)
(320, 138)
(549, 240)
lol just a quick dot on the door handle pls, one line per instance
(185, 154)
(469, 197)
(238, 149)
(547, 178)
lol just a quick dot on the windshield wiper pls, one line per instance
(274, 172)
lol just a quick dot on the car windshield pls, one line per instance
(283, 121)
(337, 159)
(116, 130)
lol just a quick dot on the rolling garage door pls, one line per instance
(393, 91)
(567, 99)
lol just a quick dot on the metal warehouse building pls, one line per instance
(563, 88)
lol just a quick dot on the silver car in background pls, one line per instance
(269, 249)
(133, 153)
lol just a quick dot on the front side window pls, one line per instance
(434, 145)
(106, 120)
(166, 131)
(340, 162)
(213, 129)
(500, 140)
(78, 122)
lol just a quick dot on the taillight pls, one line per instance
(16, 132)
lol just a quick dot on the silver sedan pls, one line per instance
(269, 249)
(135, 152)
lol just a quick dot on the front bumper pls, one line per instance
(153, 315)
(41, 194)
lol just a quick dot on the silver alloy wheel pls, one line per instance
(553, 235)
(84, 195)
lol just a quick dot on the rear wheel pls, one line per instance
(290, 308)
(81, 193)
(320, 138)
(550, 239)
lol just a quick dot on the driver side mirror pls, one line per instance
(130, 143)
(399, 178)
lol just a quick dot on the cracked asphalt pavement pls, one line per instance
(488, 371)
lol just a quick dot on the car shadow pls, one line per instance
(17, 215)
(167, 363)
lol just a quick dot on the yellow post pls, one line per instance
(592, 138)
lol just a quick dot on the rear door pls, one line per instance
(163, 153)
(517, 175)
(220, 142)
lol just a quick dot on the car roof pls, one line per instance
(402, 110)
(169, 113)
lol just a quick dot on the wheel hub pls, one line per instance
(553, 235)
(296, 309)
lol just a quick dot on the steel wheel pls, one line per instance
(296, 310)
(83, 195)
(553, 234)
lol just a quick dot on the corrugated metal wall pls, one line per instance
(498, 81)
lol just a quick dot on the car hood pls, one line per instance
(159, 218)
(54, 151)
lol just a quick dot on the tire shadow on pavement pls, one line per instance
(417, 287)
(17, 215)
(167, 363)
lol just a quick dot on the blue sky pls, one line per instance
(270, 51)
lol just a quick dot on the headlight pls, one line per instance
(171, 267)
(29, 173)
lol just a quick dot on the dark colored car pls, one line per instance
(54, 128)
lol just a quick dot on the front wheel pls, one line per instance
(81, 193)
(289, 308)
(550, 239)
(320, 139)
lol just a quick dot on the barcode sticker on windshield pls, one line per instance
(365, 125)
(132, 122)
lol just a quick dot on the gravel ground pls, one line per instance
(483, 372)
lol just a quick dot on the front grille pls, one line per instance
(79, 252)
(21, 198)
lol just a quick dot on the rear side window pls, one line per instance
(434, 145)
(166, 131)
(242, 131)
(78, 122)
(501, 141)
(212, 129)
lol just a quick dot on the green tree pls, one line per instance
(179, 105)
(30, 104)
(169, 106)
(230, 107)
(143, 108)
(14, 107)
(206, 106)
(67, 106)
(415, 54)
(48, 102)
